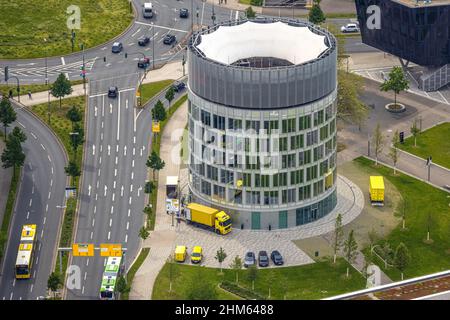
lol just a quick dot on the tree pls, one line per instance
(172, 271)
(61, 88)
(143, 233)
(350, 249)
(155, 163)
(252, 275)
(397, 82)
(200, 288)
(149, 187)
(316, 14)
(7, 113)
(72, 170)
(76, 137)
(13, 155)
(122, 286)
(74, 115)
(415, 130)
(170, 94)
(338, 236)
(350, 106)
(158, 111)
(394, 154)
(19, 134)
(378, 141)
(236, 265)
(54, 282)
(220, 257)
(249, 13)
(373, 237)
(402, 258)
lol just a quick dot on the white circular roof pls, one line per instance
(229, 44)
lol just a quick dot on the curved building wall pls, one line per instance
(273, 165)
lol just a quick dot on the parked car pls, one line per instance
(178, 86)
(169, 39)
(113, 92)
(117, 47)
(249, 259)
(197, 254)
(147, 10)
(143, 63)
(350, 27)
(276, 258)
(184, 13)
(263, 259)
(143, 41)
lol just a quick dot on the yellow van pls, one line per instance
(197, 254)
(180, 253)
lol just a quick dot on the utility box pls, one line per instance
(376, 189)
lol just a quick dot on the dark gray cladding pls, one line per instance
(266, 88)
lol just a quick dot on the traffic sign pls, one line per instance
(156, 127)
(83, 250)
(110, 250)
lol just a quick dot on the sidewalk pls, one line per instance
(162, 240)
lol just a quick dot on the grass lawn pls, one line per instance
(421, 201)
(134, 268)
(26, 23)
(9, 210)
(434, 142)
(149, 90)
(313, 281)
(29, 87)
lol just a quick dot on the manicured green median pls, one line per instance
(149, 90)
(312, 281)
(25, 24)
(134, 268)
(433, 142)
(426, 207)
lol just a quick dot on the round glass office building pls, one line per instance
(262, 121)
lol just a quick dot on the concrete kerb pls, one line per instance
(58, 235)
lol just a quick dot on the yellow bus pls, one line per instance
(24, 260)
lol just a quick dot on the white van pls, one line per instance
(147, 10)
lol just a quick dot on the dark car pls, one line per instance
(249, 259)
(169, 39)
(113, 92)
(178, 86)
(184, 13)
(117, 47)
(263, 259)
(143, 63)
(276, 258)
(143, 41)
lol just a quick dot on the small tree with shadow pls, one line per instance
(158, 112)
(316, 14)
(394, 153)
(378, 141)
(396, 82)
(61, 88)
(402, 258)
(170, 94)
(54, 282)
(338, 237)
(220, 257)
(415, 131)
(236, 265)
(7, 113)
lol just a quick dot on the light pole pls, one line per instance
(153, 43)
(84, 70)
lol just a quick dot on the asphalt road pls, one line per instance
(40, 198)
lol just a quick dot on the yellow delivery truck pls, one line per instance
(180, 253)
(376, 189)
(208, 218)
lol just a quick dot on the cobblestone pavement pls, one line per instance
(238, 242)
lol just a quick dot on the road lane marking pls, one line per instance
(128, 225)
(28, 214)
(49, 194)
(118, 121)
(109, 150)
(20, 123)
(34, 136)
(113, 197)
(117, 148)
(106, 188)
(31, 288)
(117, 160)
(129, 212)
(115, 172)
(129, 201)
(131, 188)
(95, 209)
(126, 238)
(42, 146)
(132, 164)
(162, 27)
(93, 149)
(125, 151)
(46, 207)
(112, 210)
(93, 222)
(132, 175)
(109, 235)
(134, 149)
(134, 34)
(31, 201)
(45, 219)
(110, 222)
(52, 170)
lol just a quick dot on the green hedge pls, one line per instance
(240, 291)
(8, 211)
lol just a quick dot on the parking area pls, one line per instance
(238, 242)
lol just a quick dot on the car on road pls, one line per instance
(197, 254)
(263, 259)
(143, 41)
(113, 92)
(184, 13)
(169, 39)
(350, 27)
(178, 86)
(276, 258)
(249, 259)
(117, 47)
(143, 63)
(147, 10)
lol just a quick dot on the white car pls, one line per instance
(350, 27)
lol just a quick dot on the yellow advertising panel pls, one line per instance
(156, 127)
(83, 250)
(110, 250)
